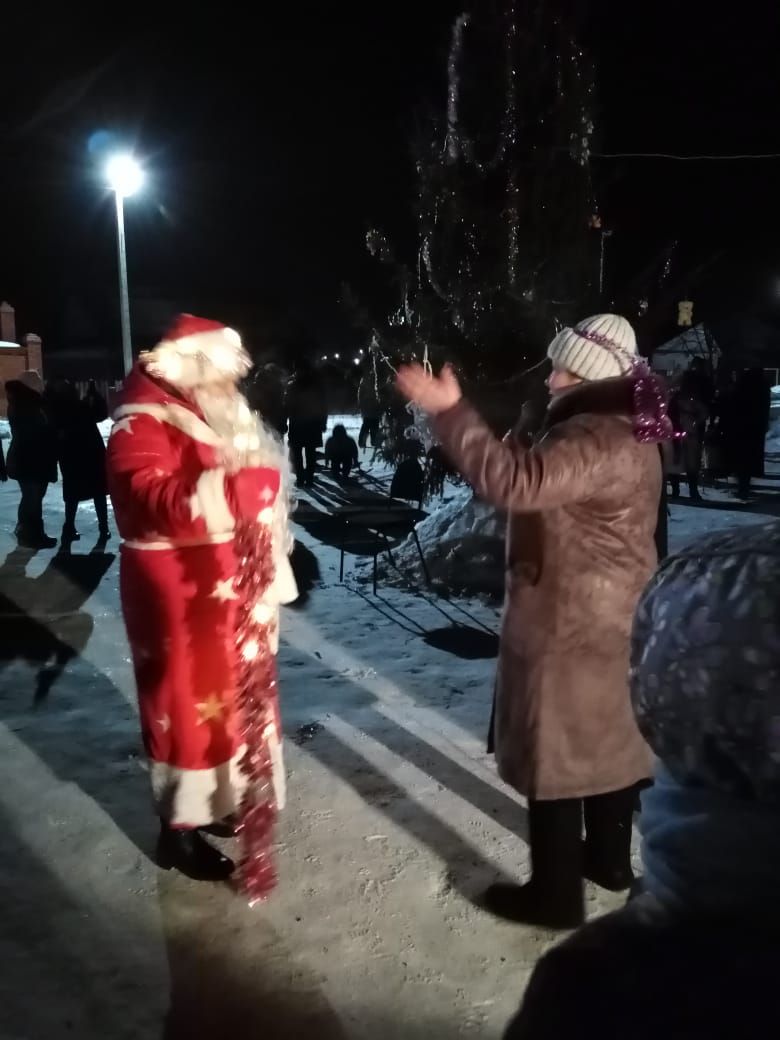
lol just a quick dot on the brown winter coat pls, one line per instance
(583, 505)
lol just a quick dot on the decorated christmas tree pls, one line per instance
(506, 224)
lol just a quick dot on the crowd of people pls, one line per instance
(722, 427)
(618, 685)
(54, 431)
(297, 406)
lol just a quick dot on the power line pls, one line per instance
(683, 158)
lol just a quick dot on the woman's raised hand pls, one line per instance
(433, 394)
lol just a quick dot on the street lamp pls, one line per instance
(124, 177)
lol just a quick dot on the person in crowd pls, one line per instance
(746, 425)
(81, 453)
(265, 391)
(32, 456)
(683, 456)
(3, 470)
(95, 403)
(583, 507)
(341, 452)
(698, 382)
(694, 956)
(188, 464)
(370, 405)
(307, 415)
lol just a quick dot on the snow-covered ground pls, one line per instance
(396, 821)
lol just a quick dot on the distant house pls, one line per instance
(674, 357)
(16, 357)
(743, 341)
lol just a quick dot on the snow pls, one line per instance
(395, 821)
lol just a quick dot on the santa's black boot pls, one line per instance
(188, 852)
(607, 846)
(553, 898)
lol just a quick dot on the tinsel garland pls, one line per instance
(651, 421)
(257, 710)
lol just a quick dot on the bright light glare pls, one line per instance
(356, 361)
(337, 356)
(124, 175)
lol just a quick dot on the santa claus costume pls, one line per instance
(199, 489)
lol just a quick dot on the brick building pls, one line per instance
(16, 357)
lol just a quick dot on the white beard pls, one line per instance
(248, 441)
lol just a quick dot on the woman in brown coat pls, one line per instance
(583, 506)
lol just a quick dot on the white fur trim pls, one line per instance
(159, 544)
(175, 415)
(200, 359)
(209, 502)
(202, 342)
(198, 797)
(284, 588)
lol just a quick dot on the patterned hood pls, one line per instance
(706, 693)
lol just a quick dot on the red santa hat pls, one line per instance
(197, 351)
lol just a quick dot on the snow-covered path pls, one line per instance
(395, 822)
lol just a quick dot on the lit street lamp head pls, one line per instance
(124, 175)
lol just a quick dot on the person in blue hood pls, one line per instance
(696, 954)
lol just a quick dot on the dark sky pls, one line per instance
(273, 142)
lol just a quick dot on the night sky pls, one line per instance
(273, 143)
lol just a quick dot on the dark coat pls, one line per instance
(369, 397)
(637, 975)
(307, 411)
(745, 423)
(81, 451)
(583, 507)
(683, 457)
(32, 455)
(341, 449)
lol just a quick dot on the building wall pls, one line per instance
(23, 357)
(13, 361)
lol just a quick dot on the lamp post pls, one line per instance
(124, 177)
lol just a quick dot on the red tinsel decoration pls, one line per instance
(257, 710)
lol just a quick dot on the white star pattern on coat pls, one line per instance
(224, 591)
(210, 709)
(164, 723)
(124, 425)
(267, 494)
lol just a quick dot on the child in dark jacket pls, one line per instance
(694, 956)
(341, 452)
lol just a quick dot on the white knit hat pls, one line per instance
(601, 347)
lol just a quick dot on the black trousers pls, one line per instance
(304, 470)
(30, 513)
(693, 485)
(340, 467)
(369, 428)
(559, 856)
(101, 508)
